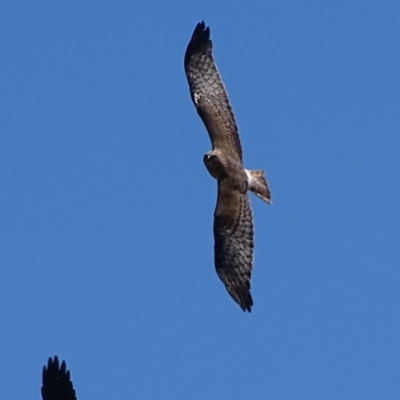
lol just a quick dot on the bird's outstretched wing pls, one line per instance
(234, 242)
(57, 384)
(209, 95)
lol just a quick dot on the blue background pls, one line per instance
(106, 251)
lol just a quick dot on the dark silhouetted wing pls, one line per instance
(57, 383)
(234, 242)
(209, 95)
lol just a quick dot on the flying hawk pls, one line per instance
(57, 383)
(233, 219)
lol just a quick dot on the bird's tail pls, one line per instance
(258, 184)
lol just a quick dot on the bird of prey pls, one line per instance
(233, 219)
(57, 383)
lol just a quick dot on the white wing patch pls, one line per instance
(196, 98)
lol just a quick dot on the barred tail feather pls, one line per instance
(258, 184)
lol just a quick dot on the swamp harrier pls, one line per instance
(233, 219)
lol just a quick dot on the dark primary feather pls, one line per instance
(208, 93)
(57, 383)
(234, 242)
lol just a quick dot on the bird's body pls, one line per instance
(225, 167)
(233, 219)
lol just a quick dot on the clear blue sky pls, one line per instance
(106, 251)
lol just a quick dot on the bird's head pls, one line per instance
(214, 164)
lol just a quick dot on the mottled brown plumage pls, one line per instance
(233, 219)
(57, 384)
